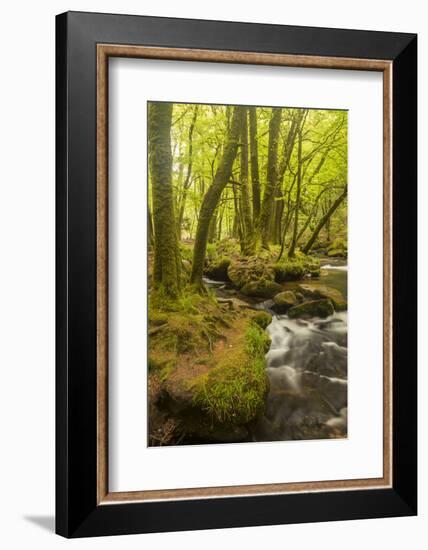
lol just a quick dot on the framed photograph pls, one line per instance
(236, 274)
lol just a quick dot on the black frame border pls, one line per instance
(77, 512)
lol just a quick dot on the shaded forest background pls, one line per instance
(267, 177)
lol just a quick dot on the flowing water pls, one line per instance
(307, 369)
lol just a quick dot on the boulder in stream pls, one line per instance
(327, 292)
(261, 289)
(244, 270)
(314, 308)
(284, 301)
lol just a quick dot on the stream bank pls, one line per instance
(293, 387)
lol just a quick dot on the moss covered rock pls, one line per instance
(296, 268)
(217, 269)
(284, 301)
(289, 271)
(244, 270)
(338, 248)
(313, 308)
(261, 289)
(262, 319)
(322, 291)
(234, 391)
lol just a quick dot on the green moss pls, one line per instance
(262, 319)
(156, 317)
(339, 242)
(186, 251)
(228, 247)
(291, 270)
(284, 300)
(217, 269)
(211, 253)
(257, 341)
(166, 372)
(189, 324)
(296, 268)
(234, 391)
(261, 289)
(326, 292)
(245, 270)
(335, 252)
(339, 247)
(161, 360)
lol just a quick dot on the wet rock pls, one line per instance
(337, 425)
(322, 291)
(330, 361)
(333, 390)
(284, 301)
(177, 396)
(261, 289)
(314, 308)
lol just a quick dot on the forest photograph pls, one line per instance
(247, 273)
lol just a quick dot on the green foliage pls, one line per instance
(185, 325)
(296, 268)
(338, 247)
(186, 251)
(257, 341)
(234, 391)
(263, 319)
(290, 270)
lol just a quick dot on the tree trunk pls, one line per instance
(150, 229)
(300, 124)
(167, 263)
(324, 220)
(248, 244)
(272, 176)
(187, 181)
(212, 196)
(212, 232)
(292, 248)
(254, 160)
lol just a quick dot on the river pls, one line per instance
(307, 369)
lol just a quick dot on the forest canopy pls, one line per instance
(267, 177)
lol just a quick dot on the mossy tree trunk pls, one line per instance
(167, 264)
(324, 220)
(254, 160)
(237, 224)
(187, 181)
(248, 243)
(150, 229)
(271, 176)
(212, 196)
(283, 167)
(212, 233)
(292, 249)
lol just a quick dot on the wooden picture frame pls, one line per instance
(85, 42)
